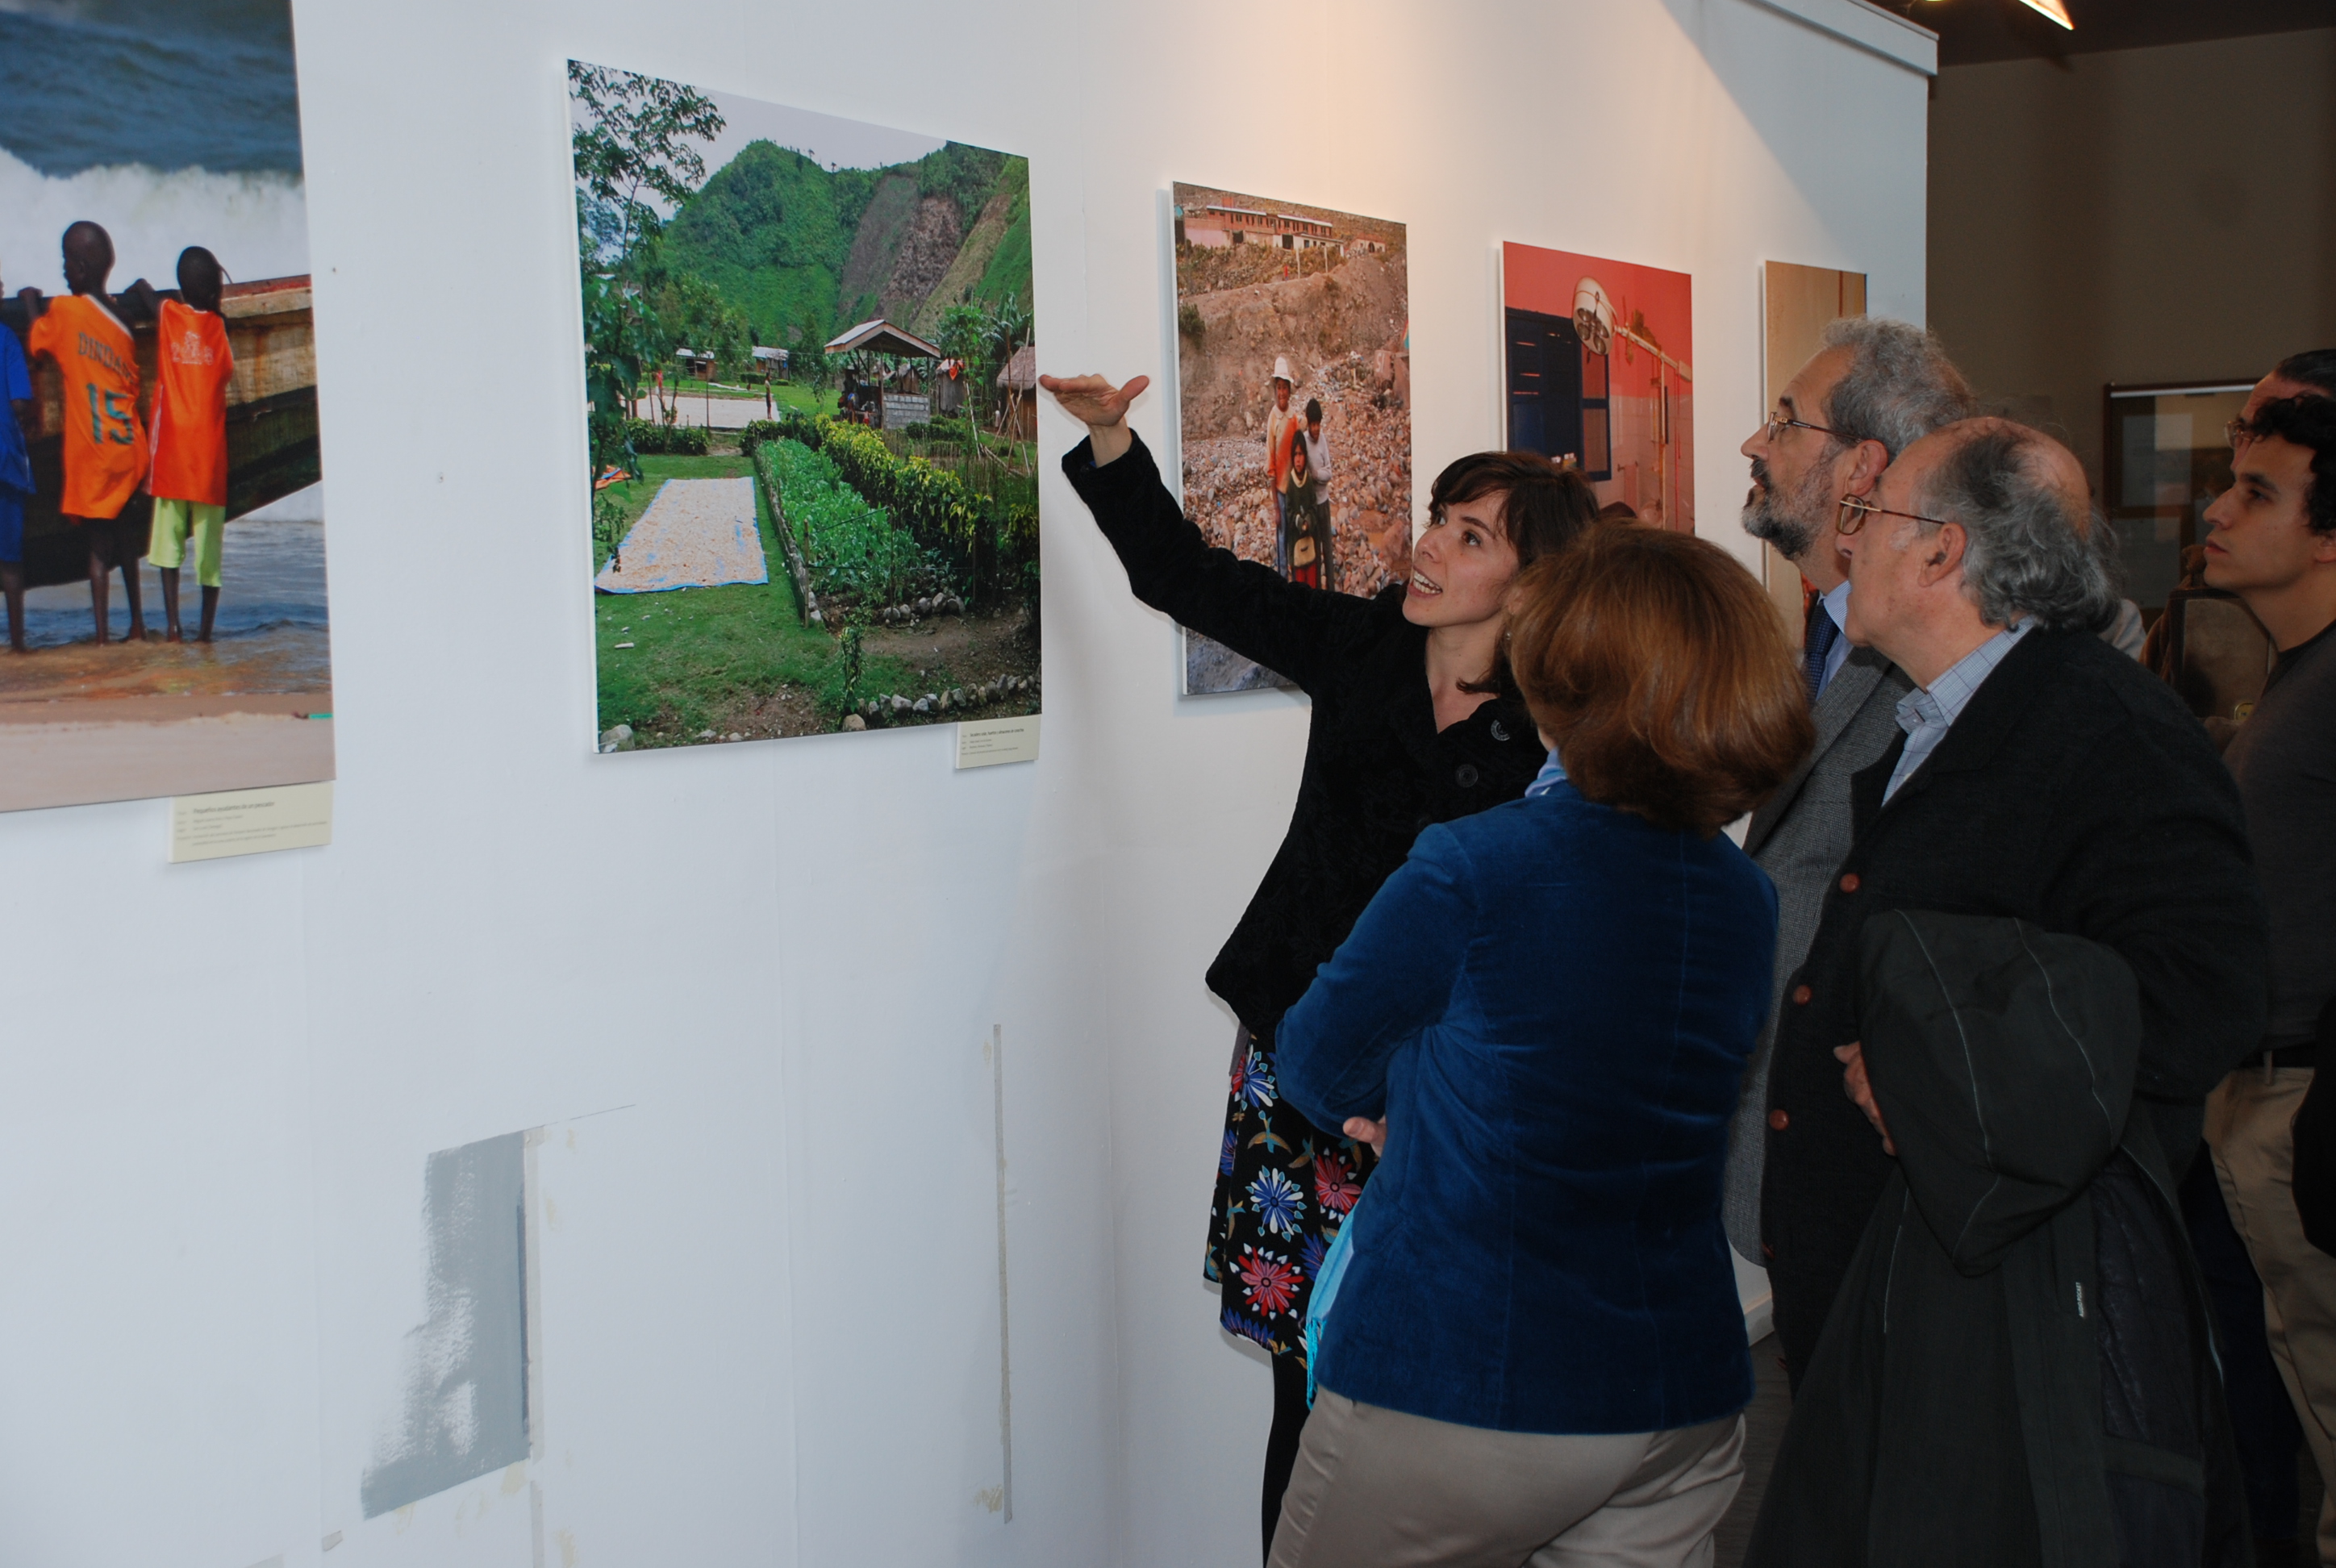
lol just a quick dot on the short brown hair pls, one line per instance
(1660, 668)
(1543, 509)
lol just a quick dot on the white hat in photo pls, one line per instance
(1281, 370)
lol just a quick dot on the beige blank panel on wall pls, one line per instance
(1797, 303)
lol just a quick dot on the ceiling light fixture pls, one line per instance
(2055, 9)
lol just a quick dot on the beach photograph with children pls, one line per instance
(811, 374)
(161, 512)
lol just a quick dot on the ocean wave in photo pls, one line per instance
(167, 83)
(257, 224)
(272, 573)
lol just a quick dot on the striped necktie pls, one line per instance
(1815, 648)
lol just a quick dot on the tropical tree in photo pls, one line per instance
(964, 336)
(637, 143)
(1009, 327)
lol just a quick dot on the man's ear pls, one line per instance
(1942, 554)
(1859, 469)
(2323, 547)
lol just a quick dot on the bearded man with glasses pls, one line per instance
(1875, 387)
(2039, 775)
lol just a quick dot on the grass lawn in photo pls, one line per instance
(697, 665)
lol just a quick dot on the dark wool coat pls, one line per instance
(1377, 772)
(2075, 793)
(2018, 1369)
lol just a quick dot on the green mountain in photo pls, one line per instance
(791, 243)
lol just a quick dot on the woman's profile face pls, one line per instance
(1461, 565)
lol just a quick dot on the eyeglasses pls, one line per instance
(1776, 428)
(1855, 510)
(2238, 434)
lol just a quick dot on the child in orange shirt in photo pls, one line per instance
(104, 443)
(189, 475)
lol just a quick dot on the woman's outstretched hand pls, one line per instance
(1364, 1130)
(1100, 406)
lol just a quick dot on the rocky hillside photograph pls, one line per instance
(1292, 329)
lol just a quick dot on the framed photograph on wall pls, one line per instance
(2165, 455)
(810, 369)
(161, 504)
(1598, 373)
(1293, 369)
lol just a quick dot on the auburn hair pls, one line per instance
(1660, 668)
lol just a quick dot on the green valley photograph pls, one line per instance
(810, 385)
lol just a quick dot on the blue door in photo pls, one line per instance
(1557, 395)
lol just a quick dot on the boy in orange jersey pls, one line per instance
(189, 475)
(104, 443)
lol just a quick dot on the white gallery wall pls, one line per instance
(740, 996)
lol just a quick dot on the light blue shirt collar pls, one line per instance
(1552, 774)
(1927, 713)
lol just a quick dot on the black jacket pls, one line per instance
(2017, 1369)
(1377, 770)
(2076, 792)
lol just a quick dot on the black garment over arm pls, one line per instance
(2075, 793)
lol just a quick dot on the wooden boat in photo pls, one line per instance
(271, 417)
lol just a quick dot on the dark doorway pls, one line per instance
(1558, 403)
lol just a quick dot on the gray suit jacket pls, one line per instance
(1800, 837)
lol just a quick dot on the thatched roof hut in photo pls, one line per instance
(1020, 383)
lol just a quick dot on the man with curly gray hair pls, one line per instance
(2041, 775)
(1874, 389)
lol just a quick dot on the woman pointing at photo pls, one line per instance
(1415, 721)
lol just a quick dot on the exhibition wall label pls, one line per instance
(810, 369)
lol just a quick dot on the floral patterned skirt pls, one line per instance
(1284, 1187)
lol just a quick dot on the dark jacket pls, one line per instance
(2017, 1369)
(1377, 770)
(2074, 793)
(1552, 1004)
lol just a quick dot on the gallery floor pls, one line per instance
(1763, 1429)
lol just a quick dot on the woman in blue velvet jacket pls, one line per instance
(1537, 1344)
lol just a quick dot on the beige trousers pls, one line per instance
(2249, 1127)
(1375, 1488)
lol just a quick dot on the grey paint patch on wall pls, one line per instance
(465, 1410)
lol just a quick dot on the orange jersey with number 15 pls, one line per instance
(194, 364)
(105, 445)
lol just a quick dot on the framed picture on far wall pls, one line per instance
(2164, 457)
(1598, 372)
